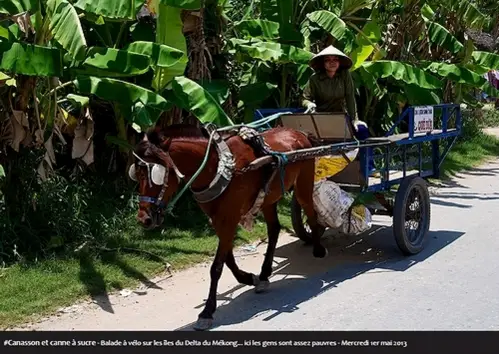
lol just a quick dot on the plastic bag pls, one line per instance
(358, 222)
(332, 205)
(330, 202)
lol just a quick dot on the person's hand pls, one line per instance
(358, 123)
(311, 107)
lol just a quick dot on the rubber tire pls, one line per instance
(399, 213)
(297, 222)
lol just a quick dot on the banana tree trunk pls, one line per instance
(284, 83)
(197, 68)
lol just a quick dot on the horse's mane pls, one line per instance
(181, 131)
(175, 131)
(158, 135)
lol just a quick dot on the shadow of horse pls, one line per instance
(298, 278)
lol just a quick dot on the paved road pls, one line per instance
(364, 284)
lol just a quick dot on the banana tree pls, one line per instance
(58, 48)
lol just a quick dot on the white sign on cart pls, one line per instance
(423, 119)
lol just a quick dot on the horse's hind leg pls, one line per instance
(273, 231)
(304, 189)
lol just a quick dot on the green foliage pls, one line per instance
(66, 27)
(182, 4)
(439, 35)
(111, 9)
(262, 29)
(335, 26)
(169, 32)
(490, 117)
(27, 59)
(127, 95)
(110, 62)
(161, 55)
(18, 6)
(190, 95)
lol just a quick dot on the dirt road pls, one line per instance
(365, 283)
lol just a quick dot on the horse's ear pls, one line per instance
(155, 136)
(144, 138)
(165, 144)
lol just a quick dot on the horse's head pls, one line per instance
(158, 179)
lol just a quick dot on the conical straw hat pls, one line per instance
(317, 61)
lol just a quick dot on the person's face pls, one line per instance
(331, 63)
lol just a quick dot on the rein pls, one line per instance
(172, 203)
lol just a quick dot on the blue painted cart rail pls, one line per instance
(428, 163)
(447, 128)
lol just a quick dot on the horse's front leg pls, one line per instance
(205, 319)
(226, 234)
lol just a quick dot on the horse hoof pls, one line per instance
(320, 252)
(203, 324)
(262, 286)
(256, 280)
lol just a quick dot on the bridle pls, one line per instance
(156, 174)
(218, 185)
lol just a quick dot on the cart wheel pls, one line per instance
(301, 228)
(411, 215)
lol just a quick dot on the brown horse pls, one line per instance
(166, 157)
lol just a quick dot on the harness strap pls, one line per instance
(225, 169)
(153, 201)
(256, 140)
(282, 161)
(247, 219)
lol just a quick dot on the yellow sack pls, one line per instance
(328, 166)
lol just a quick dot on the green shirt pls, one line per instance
(331, 95)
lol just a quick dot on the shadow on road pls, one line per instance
(94, 283)
(476, 171)
(298, 277)
(446, 183)
(466, 195)
(450, 204)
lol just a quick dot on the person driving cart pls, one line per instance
(331, 89)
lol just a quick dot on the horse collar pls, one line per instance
(225, 169)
